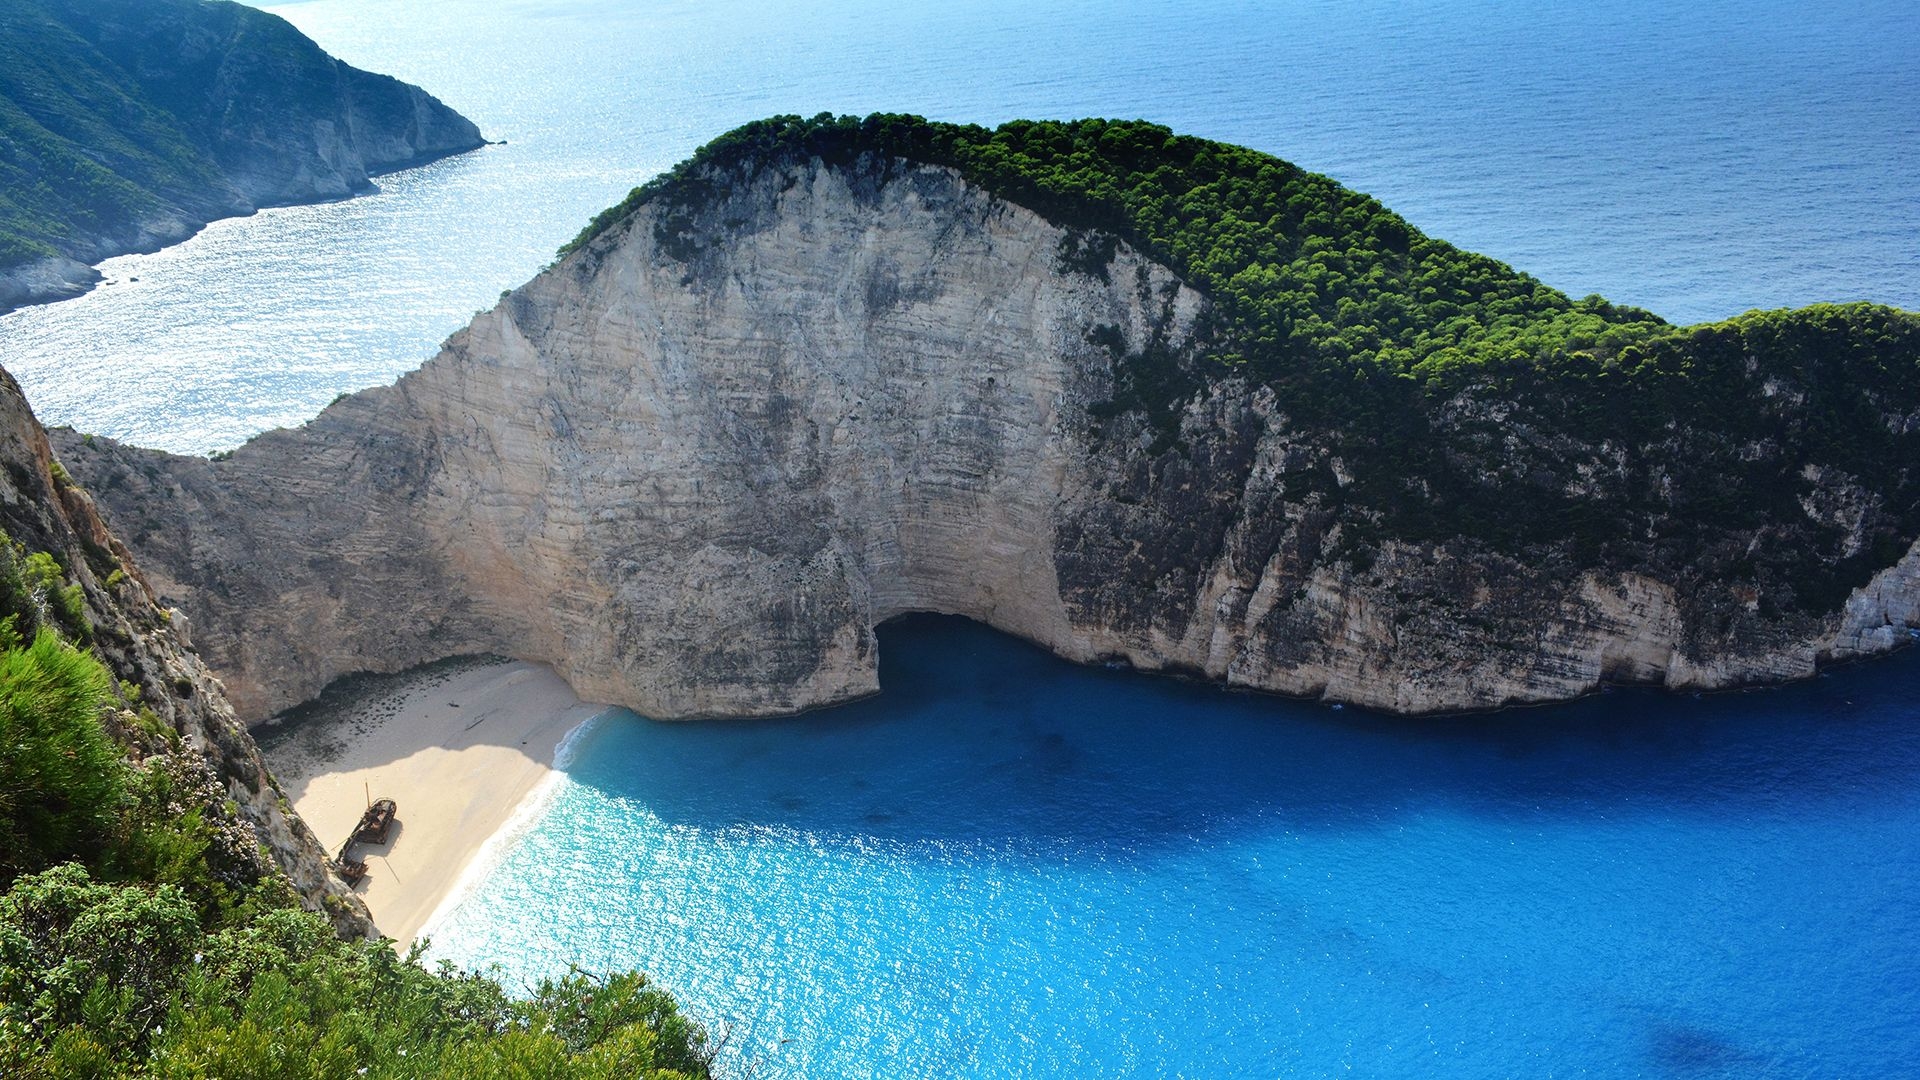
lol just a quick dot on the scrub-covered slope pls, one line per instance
(1125, 393)
(127, 124)
(63, 574)
(152, 876)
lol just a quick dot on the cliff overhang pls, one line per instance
(833, 371)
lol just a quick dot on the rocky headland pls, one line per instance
(832, 371)
(129, 124)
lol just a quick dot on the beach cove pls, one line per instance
(465, 747)
(1006, 866)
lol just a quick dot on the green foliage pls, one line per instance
(62, 782)
(1303, 269)
(48, 581)
(83, 152)
(170, 836)
(1465, 399)
(121, 120)
(163, 944)
(75, 953)
(35, 593)
(126, 980)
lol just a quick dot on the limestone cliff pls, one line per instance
(147, 649)
(694, 463)
(129, 124)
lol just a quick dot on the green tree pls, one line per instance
(62, 780)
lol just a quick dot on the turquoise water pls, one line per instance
(1009, 866)
(1698, 159)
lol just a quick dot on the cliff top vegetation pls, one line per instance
(1465, 399)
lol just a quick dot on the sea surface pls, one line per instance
(1698, 159)
(1006, 866)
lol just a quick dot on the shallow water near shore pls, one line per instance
(1007, 865)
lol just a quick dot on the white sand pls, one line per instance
(458, 746)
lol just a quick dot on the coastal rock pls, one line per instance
(147, 651)
(697, 461)
(54, 277)
(132, 123)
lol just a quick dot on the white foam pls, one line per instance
(488, 857)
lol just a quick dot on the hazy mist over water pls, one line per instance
(1009, 866)
(1695, 159)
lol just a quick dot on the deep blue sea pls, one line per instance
(1699, 159)
(1006, 866)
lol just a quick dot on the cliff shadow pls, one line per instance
(979, 737)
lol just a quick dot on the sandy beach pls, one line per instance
(458, 745)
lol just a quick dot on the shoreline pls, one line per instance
(63, 275)
(470, 749)
(487, 856)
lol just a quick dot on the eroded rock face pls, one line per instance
(147, 648)
(695, 463)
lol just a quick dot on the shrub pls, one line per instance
(34, 592)
(117, 980)
(62, 781)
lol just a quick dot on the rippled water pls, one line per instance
(1697, 159)
(1010, 866)
(1006, 866)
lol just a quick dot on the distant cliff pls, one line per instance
(1132, 396)
(126, 125)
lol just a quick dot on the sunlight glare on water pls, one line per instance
(1007, 865)
(1695, 159)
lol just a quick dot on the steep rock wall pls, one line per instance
(149, 651)
(696, 462)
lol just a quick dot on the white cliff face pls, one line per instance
(1879, 616)
(696, 490)
(694, 471)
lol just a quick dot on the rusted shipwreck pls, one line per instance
(373, 828)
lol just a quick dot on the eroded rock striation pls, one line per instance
(129, 124)
(697, 461)
(148, 649)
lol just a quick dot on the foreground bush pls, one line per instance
(61, 777)
(143, 932)
(100, 979)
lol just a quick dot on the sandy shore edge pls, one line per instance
(469, 749)
(492, 851)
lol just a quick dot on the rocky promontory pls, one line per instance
(833, 371)
(126, 125)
